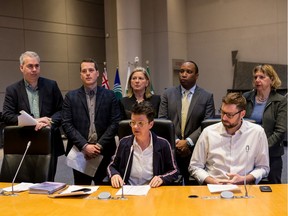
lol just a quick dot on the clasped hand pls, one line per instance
(117, 181)
(233, 179)
(92, 150)
(182, 148)
(43, 122)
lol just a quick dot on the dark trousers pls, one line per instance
(276, 165)
(183, 164)
(57, 149)
(52, 167)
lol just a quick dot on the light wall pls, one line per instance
(257, 29)
(62, 32)
(207, 32)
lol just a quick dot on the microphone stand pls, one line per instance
(126, 168)
(245, 179)
(12, 192)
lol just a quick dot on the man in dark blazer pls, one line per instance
(39, 97)
(201, 107)
(90, 120)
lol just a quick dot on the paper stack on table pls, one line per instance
(141, 190)
(213, 188)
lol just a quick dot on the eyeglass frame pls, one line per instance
(229, 115)
(139, 124)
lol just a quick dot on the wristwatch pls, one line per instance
(189, 144)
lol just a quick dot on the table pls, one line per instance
(165, 200)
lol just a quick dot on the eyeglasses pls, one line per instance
(229, 115)
(188, 71)
(139, 123)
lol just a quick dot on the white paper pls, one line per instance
(76, 160)
(140, 190)
(25, 119)
(76, 187)
(214, 188)
(23, 186)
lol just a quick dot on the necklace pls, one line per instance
(261, 99)
(139, 100)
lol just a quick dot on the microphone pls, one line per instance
(27, 147)
(107, 195)
(229, 194)
(245, 173)
(126, 168)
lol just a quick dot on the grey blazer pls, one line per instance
(201, 107)
(274, 120)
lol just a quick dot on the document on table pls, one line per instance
(23, 186)
(76, 160)
(74, 188)
(140, 190)
(213, 188)
(24, 119)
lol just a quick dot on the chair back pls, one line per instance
(35, 166)
(162, 127)
(208, 122)
(205, 123)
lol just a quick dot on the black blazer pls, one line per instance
(50, 104)
(127, 104)
(76, 121)
(164, 164)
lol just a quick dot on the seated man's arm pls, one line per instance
(198, 161)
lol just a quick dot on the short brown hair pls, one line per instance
(144, 108)
(235, 98)
(90, 60)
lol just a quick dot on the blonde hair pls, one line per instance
(148, 93)
(269, 71)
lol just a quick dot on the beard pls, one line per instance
(229, 125)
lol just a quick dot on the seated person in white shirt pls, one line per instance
(228, 150)
(143, 158)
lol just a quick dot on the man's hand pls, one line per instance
(232, 179)
(211, 180)
(91, 151)
(182, 148)
(43, 122)
(238, 179)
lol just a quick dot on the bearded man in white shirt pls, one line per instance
(227, 151)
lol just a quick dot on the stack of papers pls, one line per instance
(76, 160)
(46, 187)
(213, 188)
(134, 190)
(25, 119)
(76, 190)
(23, 186)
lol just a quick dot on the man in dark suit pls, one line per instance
(39, 97)
(187, 122)
(90, 120)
